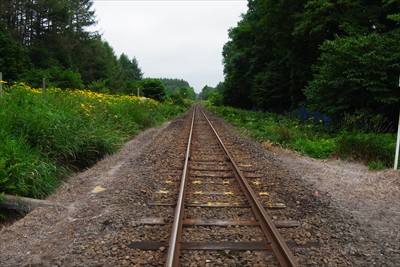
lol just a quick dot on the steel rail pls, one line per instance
(174, 241)
(278, 245)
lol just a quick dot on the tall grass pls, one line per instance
(43, 137)
(366, 147)
(313, 138)
(25, 170)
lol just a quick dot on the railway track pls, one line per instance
(217, 213)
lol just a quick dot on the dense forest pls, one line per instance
(55, 40)
(341, 58)
(51, 39)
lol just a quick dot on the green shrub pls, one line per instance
(284, 134)
(25, 171)
(321, 149)
(267, 133)
(5, 176)
(376, 165)
(56, 76)
(363, 121)
(366, 147)
(98, 86)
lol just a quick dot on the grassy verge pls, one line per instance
(313, 138)
(44, 137)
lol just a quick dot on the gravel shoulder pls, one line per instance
(372, 197)
(83, 200)
(96, 208)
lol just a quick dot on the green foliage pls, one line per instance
(322, 148)
(187, 93)
(178, 92)
(176, 99)
(174, 84)
(311, 137)
(284, 134)
(361, 120)
(153, 88)
(351, 47)
(356, 73)
(48, 39)
(13, 56)
(366, 147)
(44, 136)
(130, 68)
(130, 74)
(216, 98)
(236, 53)
(263, 64)
(376, 165)
(56, 128)
(213, 95)
(5, 173)
(98, 86)
(55, 77)
(206, 92)
(25, 170)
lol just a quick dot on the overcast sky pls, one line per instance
(180, 39)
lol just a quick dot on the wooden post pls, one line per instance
(1, 84)
(24, 203)
(44, 86)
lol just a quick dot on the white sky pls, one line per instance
(180, 39)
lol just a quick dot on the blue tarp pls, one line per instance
(306, 115)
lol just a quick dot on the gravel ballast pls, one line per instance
(352, 221)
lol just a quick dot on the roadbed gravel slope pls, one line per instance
(357, 211)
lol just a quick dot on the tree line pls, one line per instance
(341, 58)
(53, 40)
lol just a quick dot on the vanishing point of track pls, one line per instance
(208, 162)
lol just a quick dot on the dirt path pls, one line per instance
(90, 220)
